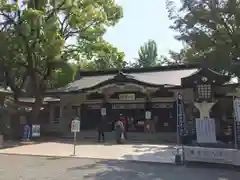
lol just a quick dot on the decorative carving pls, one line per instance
(122, 76)
(204, 79)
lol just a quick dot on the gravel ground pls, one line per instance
(14, 167)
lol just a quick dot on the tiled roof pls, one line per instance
(166, 77)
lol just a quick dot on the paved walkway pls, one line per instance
(141, 152)
(45, 168)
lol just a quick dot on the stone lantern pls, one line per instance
(204, 82)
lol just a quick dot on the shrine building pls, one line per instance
(133, 92)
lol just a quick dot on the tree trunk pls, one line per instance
(36, 109)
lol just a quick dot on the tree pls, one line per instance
(148, 55)
(99, 55)
(33, 38)
(63, 76)
(175, 58)
(211, 31)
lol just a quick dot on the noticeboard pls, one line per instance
(35, 130)
(75, 126)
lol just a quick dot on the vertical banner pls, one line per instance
(181, 120)
(236, 106)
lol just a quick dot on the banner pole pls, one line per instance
(74, 143)
(177, 102)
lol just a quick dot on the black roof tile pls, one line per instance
(169, 75)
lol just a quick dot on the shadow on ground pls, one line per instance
(137, 171)
(146, 153)
(13, 144)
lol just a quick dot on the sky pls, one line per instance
(142, 20)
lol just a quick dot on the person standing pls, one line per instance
(101, 129)
(124, 121)
(119, 129)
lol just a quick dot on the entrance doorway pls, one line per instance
(134, 113)
(164, 117)
(90, 115)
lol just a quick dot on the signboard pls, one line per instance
(127, 97)
(205, 130)
(128, 106)
(210, 155)
(103, 111)
(35, 130)
(148, 115)
(162, 105)
(75, 126)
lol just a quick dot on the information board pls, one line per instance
(35, 130)
(148, 115)
(75, 126)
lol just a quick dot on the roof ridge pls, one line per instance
(138, 70)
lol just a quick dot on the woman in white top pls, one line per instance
(119, 129)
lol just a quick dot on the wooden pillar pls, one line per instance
(149, 123)
(51, 113)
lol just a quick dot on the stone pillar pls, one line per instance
(204, 108)
(61, 118)
(51, 113)
(61, 113)
(105, 104)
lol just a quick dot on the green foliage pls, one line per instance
(175, 58)
(148, 55)
(34, 39)
(210, 30)
(63, 76)
(102, 55)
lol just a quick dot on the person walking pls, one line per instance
(101, 129)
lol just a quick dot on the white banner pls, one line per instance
(210, 155)
(205, 130)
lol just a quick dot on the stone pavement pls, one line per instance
(14, 167)
(110, 151)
